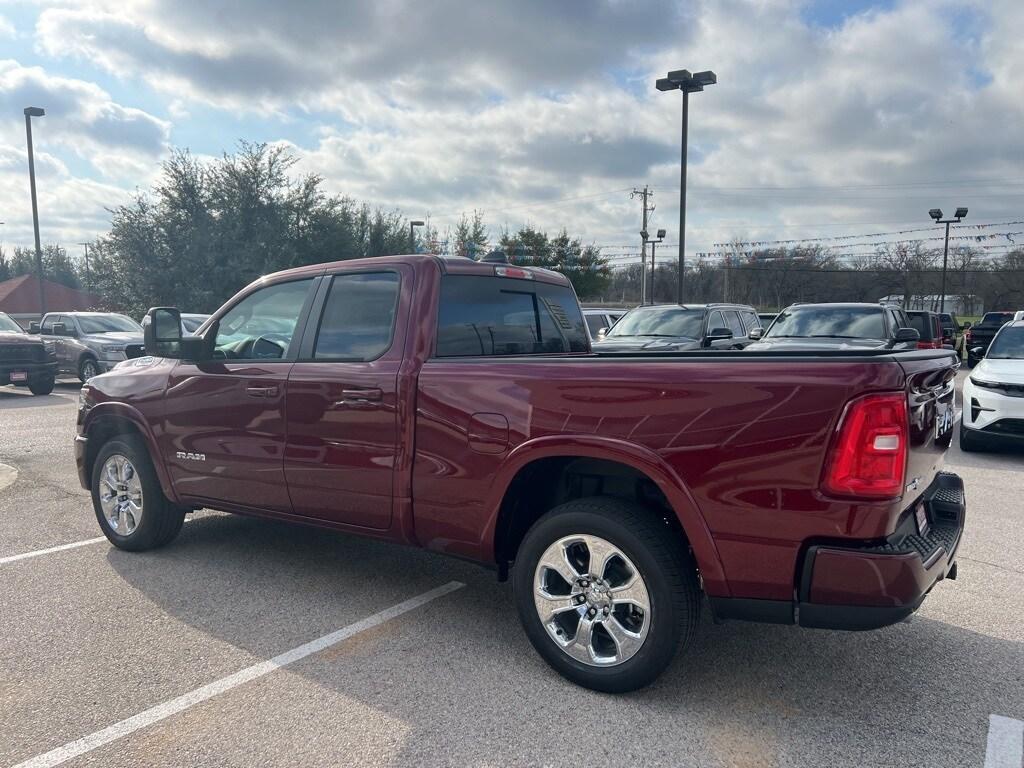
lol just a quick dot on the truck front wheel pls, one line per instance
(129, 503)
(606, 592)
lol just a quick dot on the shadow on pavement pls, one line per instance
(461, 671)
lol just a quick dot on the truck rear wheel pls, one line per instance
(605, 593)
(129, 503)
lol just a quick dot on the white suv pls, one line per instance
(994, 393)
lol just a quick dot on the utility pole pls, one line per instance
(31, 112)
(87, 282)
(725, 280)
(643, 195)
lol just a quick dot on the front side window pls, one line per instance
(716, 321)
(359, 317)
(480, 315)
(735, 325)
(261, 326)
(595, 323)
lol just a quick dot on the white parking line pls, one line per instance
(40, 552)
(1005, 742)
(190, 699)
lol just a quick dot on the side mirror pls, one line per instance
(978, 352)
(905, 336)
(756, 333)
(161, 332)
(59, 329)
(719, 334)
(602, 332)
(33, 327)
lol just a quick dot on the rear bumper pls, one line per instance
(842, 586)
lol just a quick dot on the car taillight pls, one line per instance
(868, 456)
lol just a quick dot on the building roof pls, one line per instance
(20, 296)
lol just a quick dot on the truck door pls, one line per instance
(224, 424)
(343, 406)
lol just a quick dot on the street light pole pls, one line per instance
(936, 213)
(412, 235)
(87, 281)
(682, 80)
(31, 112)
(652, 243)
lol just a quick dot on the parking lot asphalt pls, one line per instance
(93, 637)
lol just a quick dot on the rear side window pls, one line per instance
(359, 317)
(750, 320)
(504, 316)
(595, 323)
(922, 324)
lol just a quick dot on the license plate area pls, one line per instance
(19, 376)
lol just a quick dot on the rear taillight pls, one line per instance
(868, 456)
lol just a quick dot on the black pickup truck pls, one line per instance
(25, 360)
(981, 335)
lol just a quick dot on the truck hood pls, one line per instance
(645, 344)
(121, 337)
(812, 345)
(13, 337)
(1001, 371)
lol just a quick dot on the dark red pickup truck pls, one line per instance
(456, 405)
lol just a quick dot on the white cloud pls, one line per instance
(7, 29)
(444, 107)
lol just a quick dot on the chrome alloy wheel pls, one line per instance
(592, 600)
(121, 494)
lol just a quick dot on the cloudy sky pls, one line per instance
(829, 117)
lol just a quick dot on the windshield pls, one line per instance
(659, 321)
(1007, 345)
(8, 326)
(996, 318)
(829, 322)
(91, 324)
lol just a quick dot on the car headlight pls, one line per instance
(985, 384)
(112, 350)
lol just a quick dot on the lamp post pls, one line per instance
(653, 244)
(412, 235)
(682, 80)
(936, 213)
(31, 112)
(86, 246)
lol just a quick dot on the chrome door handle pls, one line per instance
(261, 391)
(358, 397)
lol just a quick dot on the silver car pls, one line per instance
(88, 343)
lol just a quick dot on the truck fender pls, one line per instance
(635, 456)
(124, 412)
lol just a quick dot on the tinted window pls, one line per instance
(48, 321)
(659, 321)
(261, 326)
(923, 325)
(105, 324)
(716, 321)
(750, 320)
(996, 318)
(735, 324)
(1008, 344)
(358, 318)
(595, 323)
(505, 316)
(834, 322)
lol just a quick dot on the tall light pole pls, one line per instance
(682, 80)
(936, 213)
(31, 112)
(653, 244)
(412, 235)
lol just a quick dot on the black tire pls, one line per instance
(43, 386)
(664, 564)
(161, 520)
(970, 441)
(87, 368)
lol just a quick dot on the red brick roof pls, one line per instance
(20, 295)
